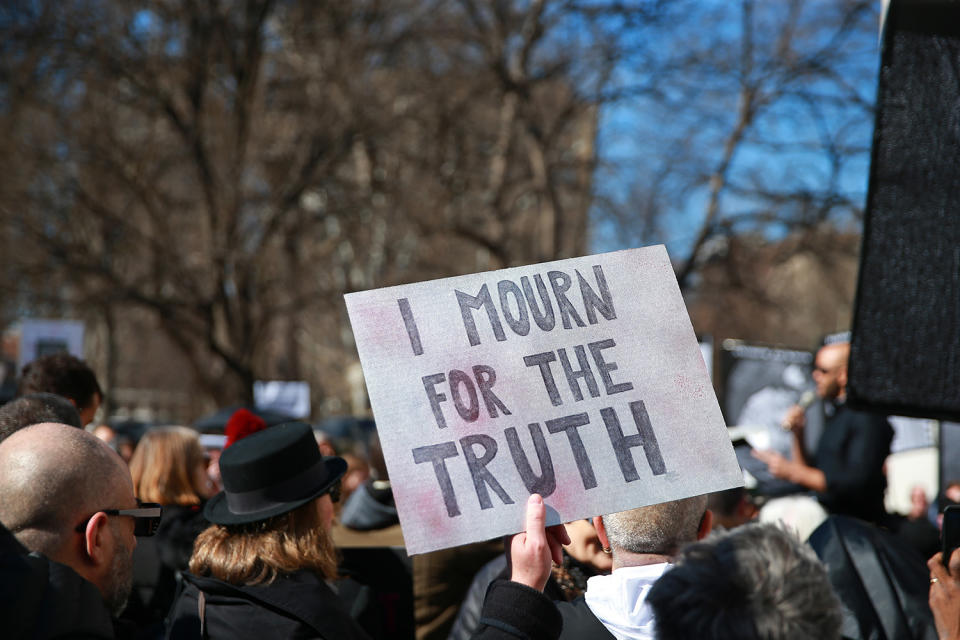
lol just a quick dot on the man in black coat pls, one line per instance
(40, 598)
(67, 500)
(846, 471)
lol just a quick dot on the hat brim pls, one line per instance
(218, 512)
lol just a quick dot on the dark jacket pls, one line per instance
(157, 562)
(468, 617)
(851, 453)
(512, 610)
(882, 584)
(369, 508)
(572, 588)
(179, 528)
(40, 598)
(579, 621)
(297, 605)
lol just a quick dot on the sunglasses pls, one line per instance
(335, 491)
(146, 518)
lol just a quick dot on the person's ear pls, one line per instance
(746, 510)
(95, 540)
(601, 532)
(842, 377)
(706, 524)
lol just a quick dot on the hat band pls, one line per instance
(292, 489)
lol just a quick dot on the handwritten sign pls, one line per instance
(580, 380)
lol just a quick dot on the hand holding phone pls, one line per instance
(944, 595)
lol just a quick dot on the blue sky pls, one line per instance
(664, 144)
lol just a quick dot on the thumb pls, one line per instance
(536, 516)
(953, 563)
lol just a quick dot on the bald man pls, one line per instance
(846, 470)
(58, 483)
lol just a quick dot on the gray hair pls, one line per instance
(750, 583)
(660, 528)
(51, 476)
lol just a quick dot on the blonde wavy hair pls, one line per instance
(258, 553)
(163, 464)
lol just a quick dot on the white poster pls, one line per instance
(579, 379)
(43, 337)
(290, 398)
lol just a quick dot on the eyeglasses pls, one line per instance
(335, 491)
(146, 518)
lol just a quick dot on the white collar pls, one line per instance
(619, 600)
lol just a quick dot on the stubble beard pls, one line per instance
(121, 579)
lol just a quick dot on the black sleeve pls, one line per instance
(864, 454)
(512, 610)
(468, 618)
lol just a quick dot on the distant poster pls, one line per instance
(290, 398)
(579, 379)
(42, 337)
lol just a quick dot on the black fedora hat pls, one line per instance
(270, 473)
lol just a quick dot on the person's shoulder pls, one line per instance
(879, 423)
(865, 419)
(298, 604)
(49, 600)
(579, 621)
(514, 610)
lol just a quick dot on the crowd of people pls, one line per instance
(250, 536)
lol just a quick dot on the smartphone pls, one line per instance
(950, 533)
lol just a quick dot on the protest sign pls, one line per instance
(579, 379)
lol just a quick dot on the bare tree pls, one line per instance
(233, 167)
(760, 124)
(227, 170)
(789, 292)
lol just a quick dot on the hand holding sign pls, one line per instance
(530, 552)
(579, 380)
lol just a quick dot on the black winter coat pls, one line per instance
(851, 453)
(297, 605)
(512, 611)
(882, 584)
(579, 621)
(40, 598)
(157, 563)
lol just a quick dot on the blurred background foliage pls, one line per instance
(201, 181)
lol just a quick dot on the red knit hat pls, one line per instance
(241, 424)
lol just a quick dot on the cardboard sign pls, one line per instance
(580, 380)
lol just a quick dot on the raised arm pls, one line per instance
(517, 608)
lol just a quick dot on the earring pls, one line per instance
(606, 550)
